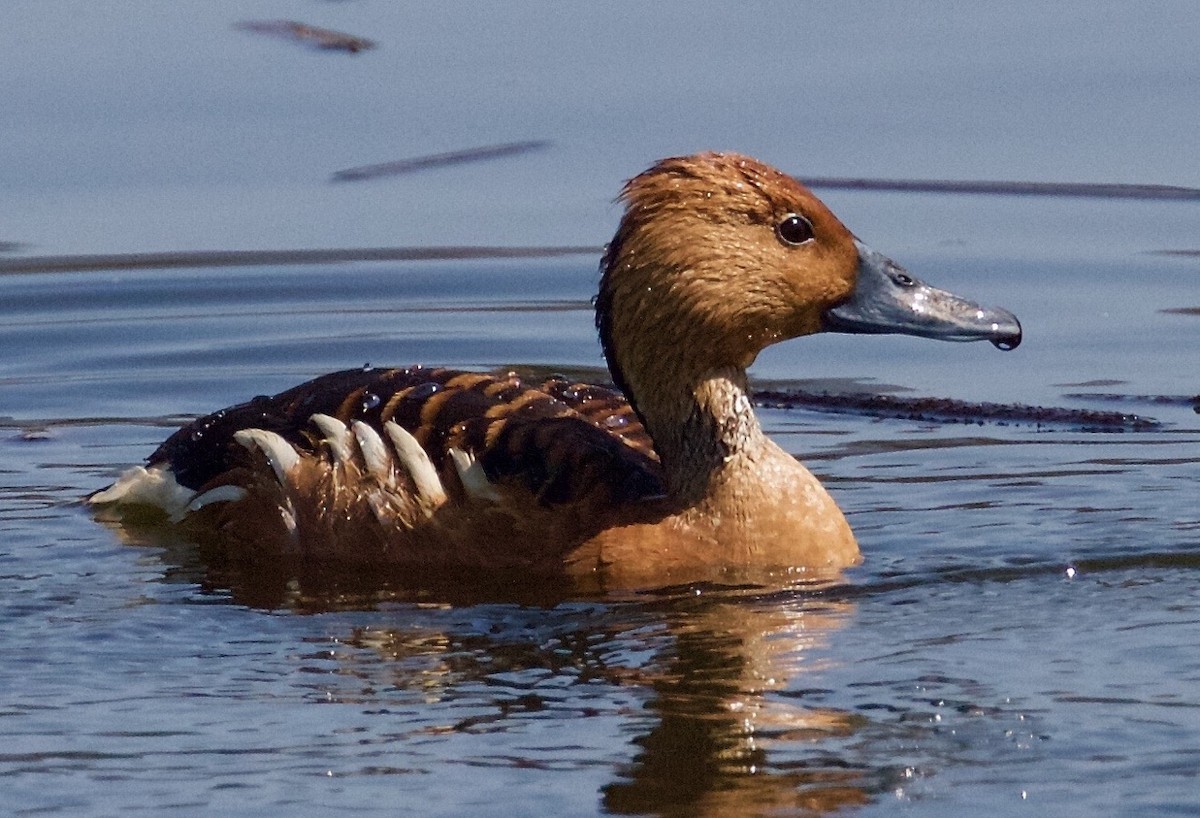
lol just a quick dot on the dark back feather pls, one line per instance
(559, 439)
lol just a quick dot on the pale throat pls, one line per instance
(700, 427)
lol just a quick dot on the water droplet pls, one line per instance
(370, 401)
(1008, 342)
(423, 391)
(616, 421)
(200, 427)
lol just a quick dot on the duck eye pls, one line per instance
(794, 229)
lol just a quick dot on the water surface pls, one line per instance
(1024, 632)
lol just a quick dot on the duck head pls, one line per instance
(717, 256)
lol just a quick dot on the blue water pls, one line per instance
(1024, 636)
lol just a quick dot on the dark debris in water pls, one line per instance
(251, 258)
(323, 39)
(949, 410)
(1192, 401)
(1007, 188)
(439, 160)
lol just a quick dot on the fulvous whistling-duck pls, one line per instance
(667, 478)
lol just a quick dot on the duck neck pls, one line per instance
(701, 428)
